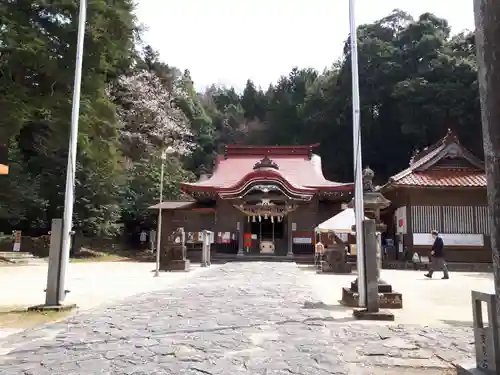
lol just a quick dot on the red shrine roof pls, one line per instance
(296, 166)
(444, 164)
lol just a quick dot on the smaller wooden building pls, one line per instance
(443, 189)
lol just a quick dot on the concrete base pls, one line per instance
(177, 265)
(58, 308)
(391, 300)
(338, 268)
(363, 314)
(383, 287)
(470, 368)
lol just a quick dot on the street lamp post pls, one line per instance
(69, 197)
(358, 178)
(168, 151)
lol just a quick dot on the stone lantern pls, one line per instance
(374, 202)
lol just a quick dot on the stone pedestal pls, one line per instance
(177, 265)
(172, 258)
(470, 369)
(388, 298)
(335, 261)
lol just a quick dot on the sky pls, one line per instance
(226, 42)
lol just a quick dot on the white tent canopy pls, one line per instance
(340, 223)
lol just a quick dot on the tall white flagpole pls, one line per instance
(160, 213)
(69, 196)
(358, 178)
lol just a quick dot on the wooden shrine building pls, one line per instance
(260, 200)
(444, 188)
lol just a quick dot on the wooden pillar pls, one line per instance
(240, 229)
(289, 235)
(487, 16)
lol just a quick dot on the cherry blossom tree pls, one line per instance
(148, 115)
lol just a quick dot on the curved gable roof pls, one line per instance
(297, 165)
(422, 171)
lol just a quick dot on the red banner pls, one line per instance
(247, 240)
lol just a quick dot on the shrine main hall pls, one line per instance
(269, 200)
(259, 200)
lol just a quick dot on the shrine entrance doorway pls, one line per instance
(268, 235)
(268, 229)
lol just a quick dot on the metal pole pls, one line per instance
(358, 180)
(69, 196)
(158, 235)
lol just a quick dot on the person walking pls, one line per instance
(437, 254)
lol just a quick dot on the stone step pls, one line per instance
(21, 258)
(29, 261)
(304, 259)
(15, 254)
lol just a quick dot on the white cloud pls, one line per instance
(228, 41)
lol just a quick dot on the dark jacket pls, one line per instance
(438, 247)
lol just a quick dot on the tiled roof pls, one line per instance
(298, 170)
(420, 162)
(444, 178)
(424, 170)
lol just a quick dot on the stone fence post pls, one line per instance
(486, 337)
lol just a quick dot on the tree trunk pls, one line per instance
(487, 15)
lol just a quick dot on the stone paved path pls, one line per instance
(240, 318)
